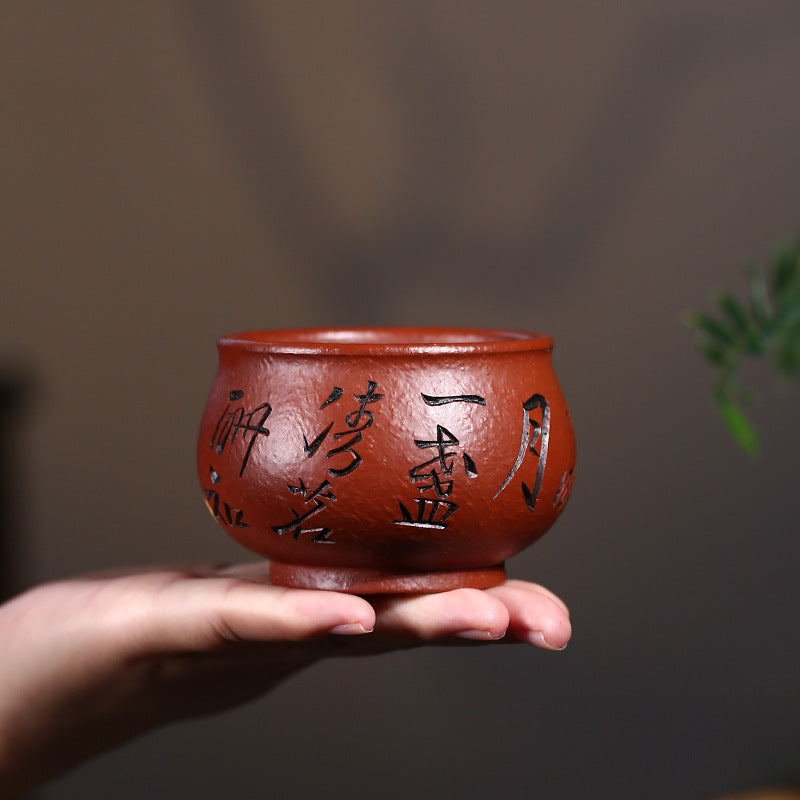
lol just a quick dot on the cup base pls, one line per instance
(357, 580)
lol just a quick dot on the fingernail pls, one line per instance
(537, 638)
(481, 636)
(349, 629)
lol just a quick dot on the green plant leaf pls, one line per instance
(789, 315)
(737, 423)
(767, 323)
(711, 328)
(785, 270)
(735, 311)
(787, 356)
(788, 296)
(759, 299)
(715, 354)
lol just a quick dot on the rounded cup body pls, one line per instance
(386, 459)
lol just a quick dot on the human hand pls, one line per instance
(90, 662)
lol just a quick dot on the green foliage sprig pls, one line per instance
(765, 325)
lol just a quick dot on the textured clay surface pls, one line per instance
(386, 460)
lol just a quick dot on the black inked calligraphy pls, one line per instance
(354, 418)
(355, 422)
(237, 420)
(469, 467)
(442, 400)
(222, 512)
(316, 498)
(564, 489)
(344, 456)
(436, 475)
(310, 449)
(430, 513)
(333, 396)
(346, 447)
(533, 433)
(427, 471)
(443, 440)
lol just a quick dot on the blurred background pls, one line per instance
(171, 171)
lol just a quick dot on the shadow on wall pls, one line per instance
(670, 54)
(15, 389)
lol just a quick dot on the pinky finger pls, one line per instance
(534, 617)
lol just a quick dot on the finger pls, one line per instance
(465, 613)
(189, 569)
(535, 587)
(192, 615)
(535, 617)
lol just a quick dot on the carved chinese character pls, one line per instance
(355, 423)
(533, 433)
(345, 441)
(316, 497)
(443, 459)
(431, 513)
(222, 512)
(236, 420)
(436, 475)
(564, 489)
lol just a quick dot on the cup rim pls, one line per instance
(377, 341)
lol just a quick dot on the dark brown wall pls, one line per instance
(174, 170)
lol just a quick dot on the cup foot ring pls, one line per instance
(362, 580)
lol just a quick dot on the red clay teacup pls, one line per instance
(374, 460)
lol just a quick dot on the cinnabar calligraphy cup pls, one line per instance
(376, 460)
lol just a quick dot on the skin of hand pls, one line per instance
(90, 662)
